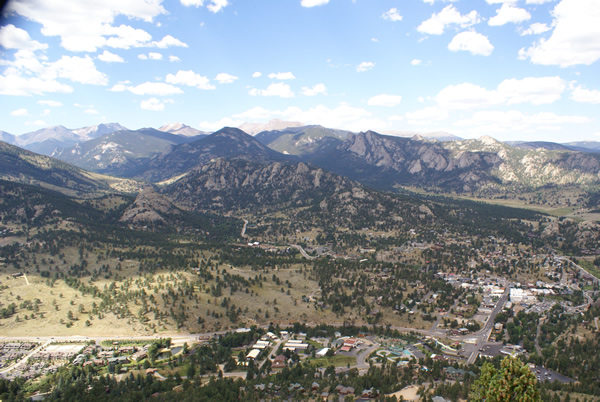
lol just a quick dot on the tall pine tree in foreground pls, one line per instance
(514, 381)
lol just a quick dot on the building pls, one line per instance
(351, 342)
(253, 354)
(322, 352)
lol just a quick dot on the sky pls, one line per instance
(512, 69)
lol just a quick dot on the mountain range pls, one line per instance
(481, 167)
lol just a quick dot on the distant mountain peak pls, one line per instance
(487, 140)
(273, 124)
(180, 129)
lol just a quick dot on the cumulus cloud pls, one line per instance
(313, 3)
(169, 41)
(257, 74)
(473, 42)
(343, 116)
(12, 37)
(224, 78)
(20, 112)
(109, 57)
(437, 23)
(385, 100)
(154, 104)
(279, 89)
(318, 89)
(190, 79)
(509, 13)
(213, 6)
(580, 94)
(282, 76)
(365, 66)
(155, 56)
(415, 62)
(573, 40)
(535, 29)
(534, 90)
(392, 15)
(513, 120)
(90, 111)
(29, 74)
(174, 59)
(63, 18)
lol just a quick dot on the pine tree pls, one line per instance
(513, 382)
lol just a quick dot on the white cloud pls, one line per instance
(169, 41)
(214, 6)
(217, 5)
(515, 121)
(257, 74)
(580, 94)
(392, 15)
(508, 13)
(121, 37)
(148, 88)
(174, 59)
(282, 76)
(467, 96)
(313, 3)
(537, 1)
(385, 100)
(534, 90)
(426, 115)
(343, 116)
(315, 90)
(12, 37)
(63, 18)
(109, 57)
(20, 112)
(155, 56)
(574, 39)
(449, 15)
(51, 103)
(154, 104)
(224, 78)
(473, 42)
(415, 62)
(142, 57)
(535, 29)
(365, 66)
(189, 78)
(277, 89)
(77, 69)
(90, 111)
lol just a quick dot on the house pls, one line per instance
(343, 391)
(369, 393)
(253, 354)
(278, 362)
(351, 342)
(322, 352)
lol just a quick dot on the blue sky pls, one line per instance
(511, 69)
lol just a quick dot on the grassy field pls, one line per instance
(336, 361)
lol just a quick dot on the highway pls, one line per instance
(483, 334)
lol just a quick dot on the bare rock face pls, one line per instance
(149, 207)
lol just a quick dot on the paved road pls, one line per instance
(596, 280)
(24, 359)
(243, 233)
(483, 334)
(304, 253)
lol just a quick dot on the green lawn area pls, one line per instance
(315, 344)
(336, 361)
